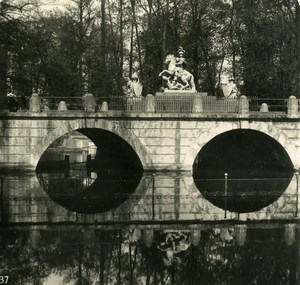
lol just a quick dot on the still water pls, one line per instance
(102, 225)
(63, 228)
(210, 254)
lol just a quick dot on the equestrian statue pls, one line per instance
(175, 76)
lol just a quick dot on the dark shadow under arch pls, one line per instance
(112, 150)
(118, 168)
(258, 167)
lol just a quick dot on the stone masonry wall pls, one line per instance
(162, 142)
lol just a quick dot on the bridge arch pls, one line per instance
(59, 129)
(259, 168)
(209, 133)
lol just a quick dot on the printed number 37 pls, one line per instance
(3, 279)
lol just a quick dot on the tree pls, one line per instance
(266, 47)
(12, 14)
(298, 48)
(63, 52)
(103, 46)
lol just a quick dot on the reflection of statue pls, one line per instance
(176, 77)
(171, 243)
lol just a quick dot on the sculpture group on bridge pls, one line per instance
(89, 102)
(175, 76)
(22, 102)
(12, 102)
(228, 90)
(176, 79)
(134, 88)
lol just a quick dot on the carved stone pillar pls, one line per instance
(243, 105)
(34, 103)
(264, 108)
(292, 107)
(197, 103)
(62, 106)
(150, 104)
(104, 107)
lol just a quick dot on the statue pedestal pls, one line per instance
(178, 101)
(177, 92)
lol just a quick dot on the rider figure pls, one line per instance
(176, 77)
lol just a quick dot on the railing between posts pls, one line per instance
(174, 103)
(272, 104)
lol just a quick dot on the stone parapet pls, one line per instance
(264, 108)
(292, 107)
(62, 106)
(150, 104)
(162, 141)
(35, 103)
(243, 105)
(178, 101)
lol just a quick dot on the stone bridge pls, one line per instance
(160, 141)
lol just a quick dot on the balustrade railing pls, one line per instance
(115, 103)
(212, 104)
(174, 103)
(163, 103)
(274, 104)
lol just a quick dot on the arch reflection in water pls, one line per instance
(76, 256)
(90, 183)
(88, 195)
(258, 167)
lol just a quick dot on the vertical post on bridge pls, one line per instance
(292, 107)
(153, 189)
(297, 192)
(225, 195)
(150, 104)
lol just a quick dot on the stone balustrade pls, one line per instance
(199, 102)
(174, 102)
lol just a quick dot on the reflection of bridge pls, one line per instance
(172, 198)
(162, 141)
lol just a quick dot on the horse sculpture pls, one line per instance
(171, 63)
(175, 77)
(186, 78)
